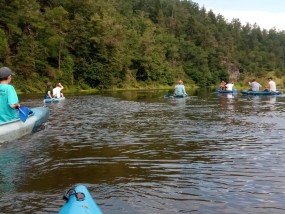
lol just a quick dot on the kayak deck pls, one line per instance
(79, 201)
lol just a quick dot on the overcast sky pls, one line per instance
(265, 13)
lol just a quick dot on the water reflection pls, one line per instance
(272, 99)
(227, 101)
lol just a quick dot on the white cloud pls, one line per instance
(266, 20)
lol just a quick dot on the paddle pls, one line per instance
(24, 113)
(167, 95)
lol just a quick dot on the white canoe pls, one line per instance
(55, 100)
(15, 129)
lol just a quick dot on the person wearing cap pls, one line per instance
(57, 91)
(179, 90)
(8, 97)
(271, 85)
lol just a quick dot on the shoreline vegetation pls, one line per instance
(243, 85)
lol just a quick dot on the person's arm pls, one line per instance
(184, 91)
(13, 100)
(15, 105)
(49, 94)
(59, 84)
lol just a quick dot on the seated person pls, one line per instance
(271, 85)
(57, 91)
(223, 85)
(48, 92)
(254, 85)
(230, 86)
(8, 97)
(179, 90)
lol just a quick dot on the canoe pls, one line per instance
(15, 129)
(226, 91)
(55, 100)
(170, 96)
(182, 96)
(261, 93)
(79, 201)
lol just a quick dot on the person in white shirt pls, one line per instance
(56, 92)
(271, 85)
(230, 86)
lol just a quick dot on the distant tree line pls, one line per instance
(123, 43)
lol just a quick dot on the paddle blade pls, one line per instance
(24, 113)
(167, 95)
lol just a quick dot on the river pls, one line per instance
(138, 152)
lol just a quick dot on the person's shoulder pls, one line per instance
(8, 86)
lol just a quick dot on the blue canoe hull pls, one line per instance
(261, 93)
(170, 96)
(226, 91)
(55, 100)
(87, 206)
(15, 129)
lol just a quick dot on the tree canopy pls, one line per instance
(123, 43)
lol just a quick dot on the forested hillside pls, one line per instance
(130, 43)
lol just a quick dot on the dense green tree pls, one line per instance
(3, 47)
(118, 43)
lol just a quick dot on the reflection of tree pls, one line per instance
(136, 95)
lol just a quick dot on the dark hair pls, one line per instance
(5, 78)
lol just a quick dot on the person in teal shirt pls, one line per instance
(8, 97)
(179, 90)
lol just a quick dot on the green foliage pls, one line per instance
(107, 44)
(3, 46)
(67, 67)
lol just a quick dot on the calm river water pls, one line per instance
(139, 153)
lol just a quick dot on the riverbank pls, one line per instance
(32, 87)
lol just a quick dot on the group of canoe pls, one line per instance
(235, 91)
(249, 92)
(78, 199)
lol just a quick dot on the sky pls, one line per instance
(267, 14)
